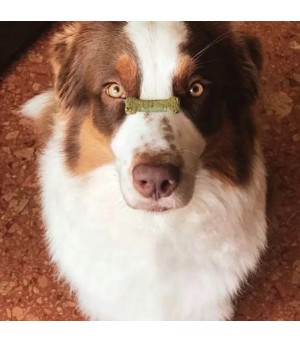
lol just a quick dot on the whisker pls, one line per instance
(215, 41)
(211, 44)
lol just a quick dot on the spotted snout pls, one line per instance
(157, 159)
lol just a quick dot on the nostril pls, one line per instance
(165, 185)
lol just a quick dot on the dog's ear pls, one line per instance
(67, 66)
(245, 67)
(254, 48)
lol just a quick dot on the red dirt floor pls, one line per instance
(29, 288)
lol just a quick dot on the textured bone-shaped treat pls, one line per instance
(133, 105)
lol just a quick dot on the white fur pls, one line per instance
(157, 47)
(127, 264)
(43, 102)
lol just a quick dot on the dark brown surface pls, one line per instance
(14, 35)
(29, 289)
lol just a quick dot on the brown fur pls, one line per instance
(229, 152)
(166, 125)
(83, 62)
(168, 131)
(219, 155)
(95, 149)
(86, 148)
(127, 70)
(183, 73)
(229, 72)
(71, 143)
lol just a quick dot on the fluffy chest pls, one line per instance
(128, 263)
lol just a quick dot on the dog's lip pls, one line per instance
(151, 208)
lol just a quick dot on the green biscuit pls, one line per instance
(133, 105)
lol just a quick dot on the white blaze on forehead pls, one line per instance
(157, 46)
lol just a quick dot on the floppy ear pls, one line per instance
(246, 64)
(67, 67)
(254, 49)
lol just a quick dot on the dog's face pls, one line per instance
(211, 69)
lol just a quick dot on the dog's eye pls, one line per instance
(196, 89)
(115, 91)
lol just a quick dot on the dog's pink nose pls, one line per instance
(155, 181)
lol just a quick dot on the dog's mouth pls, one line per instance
(157, 206)
(151, 208)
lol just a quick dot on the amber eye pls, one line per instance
(196, 89)
(115, 91)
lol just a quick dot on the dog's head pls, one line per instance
(209, 67)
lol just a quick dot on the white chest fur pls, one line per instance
(127, 264)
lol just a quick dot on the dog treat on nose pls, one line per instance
(133, 105)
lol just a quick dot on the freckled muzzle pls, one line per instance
(160, 180)
(158, 163)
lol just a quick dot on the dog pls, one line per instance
(153, 215)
